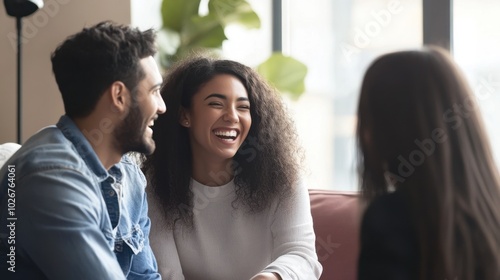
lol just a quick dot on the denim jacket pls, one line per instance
(69, 218)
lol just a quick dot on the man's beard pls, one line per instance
(130, 135)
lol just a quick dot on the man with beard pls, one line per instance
(74, 203)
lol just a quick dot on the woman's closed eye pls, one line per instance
(244, 107)
(215, 104)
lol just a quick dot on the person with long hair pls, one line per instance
(427, 173)
(226, 199)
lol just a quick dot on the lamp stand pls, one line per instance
(19, 73)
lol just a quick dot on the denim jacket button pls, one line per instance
(118, 247)
(111, 193)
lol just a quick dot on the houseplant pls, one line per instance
(185, 30)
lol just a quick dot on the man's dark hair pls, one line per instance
(87, 63)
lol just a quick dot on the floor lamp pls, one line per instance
(20, 9)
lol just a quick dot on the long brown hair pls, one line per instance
(266, 166)
(419, 128)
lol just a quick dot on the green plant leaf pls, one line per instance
(168, 40)
(285, 73)
(234, 11)
(175, 13)
(204, 32)
(187, 31)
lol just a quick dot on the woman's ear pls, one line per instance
(185, 119)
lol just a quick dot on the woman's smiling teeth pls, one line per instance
(226, 134)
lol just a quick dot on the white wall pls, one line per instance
(43, 31)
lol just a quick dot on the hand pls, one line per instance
(267, 276)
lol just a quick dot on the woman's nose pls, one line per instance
(231, 115)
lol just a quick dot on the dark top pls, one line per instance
(389, 248)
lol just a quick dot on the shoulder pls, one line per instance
(388, 208)
(295, 204)
(389, 245)
(388, 220)
(47, 150)
(298, 194)
(130, 165)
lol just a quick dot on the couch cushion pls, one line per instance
(336, 217)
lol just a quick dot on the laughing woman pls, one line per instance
(226, 202)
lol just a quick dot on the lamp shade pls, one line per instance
(22, 8)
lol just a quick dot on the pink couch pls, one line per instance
(336, 217)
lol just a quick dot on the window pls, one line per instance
(338, 39)
(476, 43)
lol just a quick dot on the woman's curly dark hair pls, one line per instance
(265, 168)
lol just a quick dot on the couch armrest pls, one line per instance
(336, 217)
(6, 151)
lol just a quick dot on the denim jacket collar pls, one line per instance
(83, 147)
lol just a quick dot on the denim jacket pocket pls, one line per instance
(136, 239)
(128, 246)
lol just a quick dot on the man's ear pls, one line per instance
(120, 96)
(185, 119)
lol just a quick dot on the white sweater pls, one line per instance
(229, 244)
